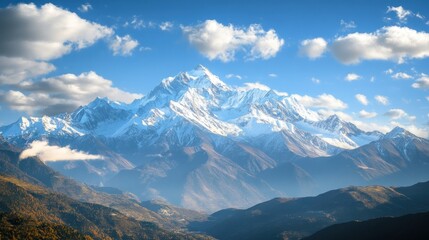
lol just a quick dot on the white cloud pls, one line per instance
(362, 99)
(420, 16)
(273, 75)
(14, 69)
(397, 113)
(389, 71)
(365, 114)
(347, 25)
(143, 49)
(255, 85)
(45, 33)
(233, 76)
(62, 93)
(400, 12)
(30, 36)
(135, 23)
(123, 46)
(422, 82)
(313, 48)
(389, 43)
(382, 99)
(401, 75)
(315, 80)
(326, 101)
(85, 7)
(166, 26)
(352, 77)
(48, 153)
(217, 41)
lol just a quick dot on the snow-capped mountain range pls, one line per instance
(195, 141)
(200, 99)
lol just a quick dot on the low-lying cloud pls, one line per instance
(48, 153)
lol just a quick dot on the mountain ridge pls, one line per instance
(214, 143)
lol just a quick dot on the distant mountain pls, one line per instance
(412, 226)
(34, 171)
(55, 211)
(294, 218)
(202, 144)
(398, 158)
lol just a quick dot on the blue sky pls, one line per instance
(121, 49)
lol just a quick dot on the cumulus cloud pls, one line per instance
(362, 99)
(217, 41)
(273, 75)
(30, 36)
(85, 7)
(352, 77)
(14, 69)
(45, 33)
(62, 93)
(48, 153)
(397, 113)
(365, 114)
(388, 43)
(166, 26)
(382, 99)
(401, 75)
(326, 101)
(313, 48)
(422, 82)
(123, 46)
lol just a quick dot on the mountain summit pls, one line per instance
(198, 142)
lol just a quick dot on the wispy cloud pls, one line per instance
(347, 25)
(233, 76)
(85, 7)
(315, 80)
(382, 99)
(400, 12)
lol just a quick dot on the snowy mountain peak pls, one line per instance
(398, 132)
